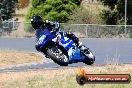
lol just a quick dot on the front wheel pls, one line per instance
(57, 55)
(90, 58)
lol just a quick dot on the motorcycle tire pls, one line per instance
(88, 60)
(54, 57)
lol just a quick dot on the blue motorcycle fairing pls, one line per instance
(74, 54)
(68, 44)
(44, 38)
(48, 36)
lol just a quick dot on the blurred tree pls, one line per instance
(7, 8)
(116, 12)
(81, 16)
(129, 12)
(84, 15)
(56, 10)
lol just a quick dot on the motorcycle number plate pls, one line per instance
(41, 39)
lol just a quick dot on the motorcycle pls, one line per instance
(63, 50)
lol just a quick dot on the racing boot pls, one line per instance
(73, 37)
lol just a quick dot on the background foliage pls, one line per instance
(129, 12)
(68, 10)
(83, 15)
(7, 8)
(116, 12)
(56, 10)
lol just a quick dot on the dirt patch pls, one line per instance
(12, 57)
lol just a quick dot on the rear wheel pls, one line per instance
(58, 56)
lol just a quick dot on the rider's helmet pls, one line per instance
(37, 21)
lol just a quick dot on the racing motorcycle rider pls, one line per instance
(39, 25)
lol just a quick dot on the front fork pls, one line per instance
(85, 51)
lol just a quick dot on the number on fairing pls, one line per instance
(41, 39)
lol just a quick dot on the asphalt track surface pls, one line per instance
(111, 50)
